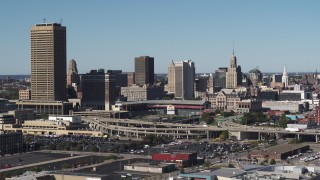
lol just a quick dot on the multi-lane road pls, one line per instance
(137, 129)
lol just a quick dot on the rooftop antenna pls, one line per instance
(44, 20)
(232, 47)
(61, 21)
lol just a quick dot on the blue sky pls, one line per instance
(109, 34)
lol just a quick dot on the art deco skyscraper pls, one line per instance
(233, 75)
(72, 75)
(48, 62)
(144, 70)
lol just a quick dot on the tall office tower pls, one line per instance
(233, 75)
(183, 78)
(131, 78)
(48, 62)
(285, 78)
(171, 82)
(97, 90)
(255, 76)
(220, 78)
(210, 84)
(144, 70)
(72, 75)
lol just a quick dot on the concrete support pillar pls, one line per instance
(208, 134)
(259, 134)
(298, 136)
(317, 140)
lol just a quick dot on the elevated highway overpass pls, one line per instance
(137, 129)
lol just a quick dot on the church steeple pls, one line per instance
(285, 78)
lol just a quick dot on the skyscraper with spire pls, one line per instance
(233, 75)
(285, 78)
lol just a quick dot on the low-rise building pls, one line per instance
(45, 107)
(181, 159)
(225, 101)
(248, 105)
(291, 106)
(217, 174)
(142, 93)
(55, 128)
(24, 94)
(10, 142)
(151, 167)
(22, 115)
(72, 119)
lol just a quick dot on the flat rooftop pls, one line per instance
(224, 172)
(282, 148)
(141, 164)
(166, 102)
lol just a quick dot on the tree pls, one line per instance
(224, 135)
(197, 139)
(272, 161)
(207, 118)
(66, 166)
(207, 164)
(283, 121)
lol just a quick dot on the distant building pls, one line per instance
(181, 159)
(6, 119)
(291, 106)
(73, 80)
(137, 93)
(48, 62)
(220, 79)
(234, 74)
(6, 105)
(24, 94)
(11, 142)
(121, 79)
(72, 119)
(131, 78)
(151, 167)
(22, 115)
(72, 74)
(45, 107)
(255, 76)
(210, 84)
(144, 70)
(285, 77)
(248, 105)
(225, 101)
(181, 77)
(98, 90)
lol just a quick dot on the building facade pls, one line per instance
(98, 90)
(24, 94)
(137, 93)
(233, 75)
(48, 62)
(144, 70)
(220, 78)
(181, 77)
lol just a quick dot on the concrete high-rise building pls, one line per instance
(220, 78)
(233, 75)
(181, 75)
(171, 74)
(72, 75)
(144, 70)
(285, 77)
(48, 62)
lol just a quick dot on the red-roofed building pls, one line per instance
(181, 159)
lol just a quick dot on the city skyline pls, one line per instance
(267, 34)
